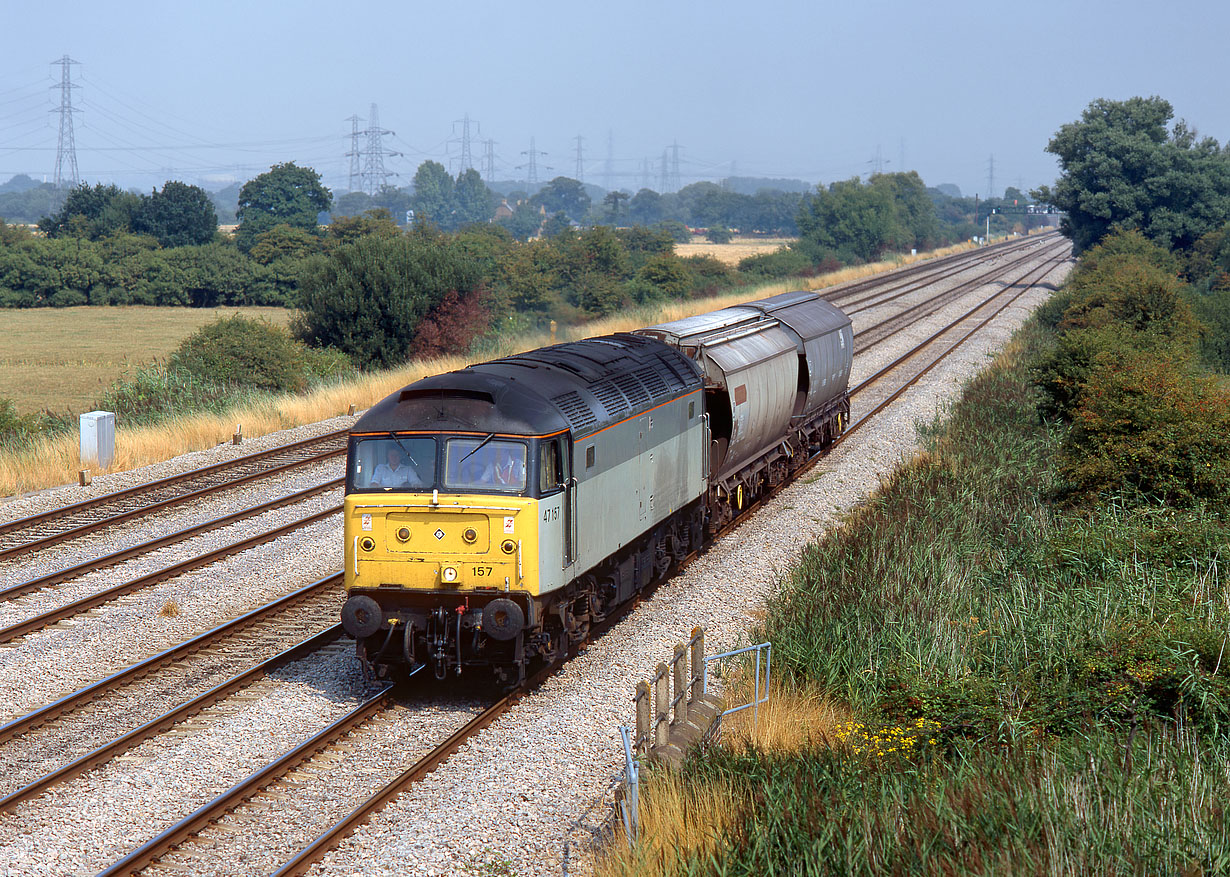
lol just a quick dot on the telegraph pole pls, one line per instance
(66, 174)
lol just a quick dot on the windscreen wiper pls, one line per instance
(476, 449)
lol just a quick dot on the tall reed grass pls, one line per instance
(54, 459)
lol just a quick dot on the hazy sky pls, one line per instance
(215, 91)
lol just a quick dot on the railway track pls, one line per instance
(35, 532)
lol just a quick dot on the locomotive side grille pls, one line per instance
(633, 389)
(610, 397)
(578, 413)
(653, 381)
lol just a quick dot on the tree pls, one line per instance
(613, 202)
(351, 204)
(564, 194)
(92, 212)
(367, 298)
(1122, 168)
(433, 194)
(286, 193)
(179, 216)
(473, 200)
(645, 208)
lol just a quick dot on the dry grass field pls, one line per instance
(731, 253)
(62, 358)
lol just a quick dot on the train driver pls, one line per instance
(505, 470)
(395, 473)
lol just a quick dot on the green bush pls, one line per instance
(16, 427)
(1212, 308)
(1143, 422)
(156, 392)
(242, 352)
(719, 234)
(786, 262)
(678, 232)
(322, 365)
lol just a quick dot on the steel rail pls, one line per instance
(121, 517)
(62, 575)
(79, 698)
(46, 619)
(167, 720)
(168, 481)
(913, 274)
(202, 816)
(945, 298)
(1046, 269)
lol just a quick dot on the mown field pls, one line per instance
(61, 359)
(733, 252)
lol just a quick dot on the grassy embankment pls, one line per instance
(54, 460)
(1010, 685)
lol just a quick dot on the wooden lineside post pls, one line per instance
(350, 411)
(237, 438)
(661, 706)
(642, 714)
(680, 665)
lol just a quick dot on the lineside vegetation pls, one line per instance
(1020, 642)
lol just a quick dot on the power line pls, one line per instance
(66, 147)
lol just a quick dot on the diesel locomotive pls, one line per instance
(495, 513)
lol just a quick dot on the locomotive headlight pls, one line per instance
(367, 543)
(470, 535)
(509, 546)
(404, 534)
(449, 574)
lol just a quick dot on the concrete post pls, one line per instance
(642, 714)
(98, 439)
(680, 666)
(661, 690)
(698, 655)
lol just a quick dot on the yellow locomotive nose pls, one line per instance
(458, 543)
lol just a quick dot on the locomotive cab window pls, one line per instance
(484, 465)
(552, 466)
(392, 463)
